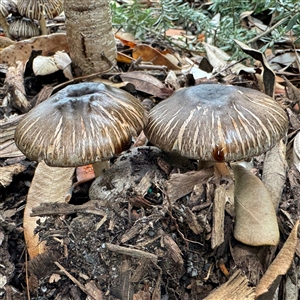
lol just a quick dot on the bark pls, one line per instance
(89, 31)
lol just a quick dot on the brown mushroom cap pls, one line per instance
(213, 122)
(81, 124)
(34, 9)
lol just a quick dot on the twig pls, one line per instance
(26, 274)
(81, 78)
(132, 252)
(74, 280)
(267, 31)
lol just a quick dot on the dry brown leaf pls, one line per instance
(142, 295)
(7, 172)
(293, 92)
(5, 42)
(149, 54)
(220, 60)
(180, 185)
(9, 149)
(256, 221)
(126, 38)
(268, 74)
(48, 185)
(147, 84)
(21, 51)
(296, 151)
(123, 58)
(280, 265)
(274, 172)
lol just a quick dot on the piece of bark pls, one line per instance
(7, 172)
(180, 185)
(132, 252)
(173, 250)
(192, 221)
(122, 287)
(8, 126)
(217, 237)
(236, 288)
(9, 149)
(14, 83)
(140, 271)
(53, 209)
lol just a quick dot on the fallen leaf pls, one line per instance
(149, 54)
(123, 58)
(44, 65)
(274, 172)
(84, 174)
(296, 151)
(126, 38)
(147, 84)
(49, 184)
(293, 92)
(7, 172)
(256, 221)
(279, 266)
(220, 60)
(268, 74)
(21, 51)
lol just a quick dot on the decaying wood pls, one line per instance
(180, 185)
(52, 209)
(9, 149)
(8, 126)
(14, 82)
(236, 288)
(217, 237)
(138, 273)
(192, 221)
(122, 286)
(132, 252)
(173, 250)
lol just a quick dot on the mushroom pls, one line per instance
(37, 9)
(219, 123)
(81, 124)
(6, 7)
(23, 28)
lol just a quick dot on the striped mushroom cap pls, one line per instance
(212, 122)
(34, 9)
(23, 28)
(81, 124)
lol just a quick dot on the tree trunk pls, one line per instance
(89, 32)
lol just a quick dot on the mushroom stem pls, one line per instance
(100, 167)
(43, 26)
(4, 25)
(220, 168)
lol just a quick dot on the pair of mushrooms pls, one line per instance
(91, 122)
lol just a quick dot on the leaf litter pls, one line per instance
(160, 228)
